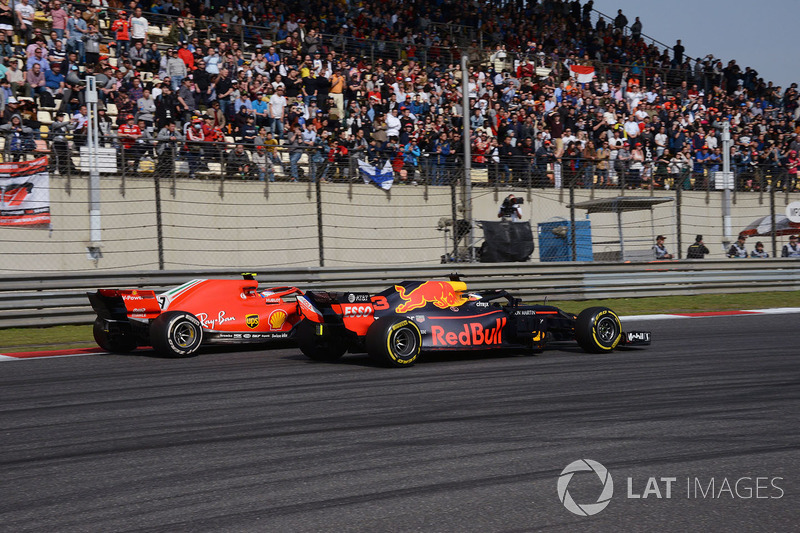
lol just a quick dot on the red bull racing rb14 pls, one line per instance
(395, 326)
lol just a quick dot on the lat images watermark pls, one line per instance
(664, 487)
(585, 509)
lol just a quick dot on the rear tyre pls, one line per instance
(176, 334)
(327, 347)
(394, 341)
(117, 343)
(598, 330)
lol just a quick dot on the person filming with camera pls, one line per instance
(510, 209)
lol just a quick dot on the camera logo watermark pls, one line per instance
(586, 509)
(661, 487)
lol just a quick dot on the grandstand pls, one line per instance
(522, 73)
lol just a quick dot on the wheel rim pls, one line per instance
(607, 329)
(404, 343)
(184, 334)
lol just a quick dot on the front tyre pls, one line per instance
(394, 341)
(176, 334)
(120, 342)
(327, 347)
(598, 330)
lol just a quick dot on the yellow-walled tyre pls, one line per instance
(394, 341)
(598, 330)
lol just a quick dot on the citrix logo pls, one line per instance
(586, 509)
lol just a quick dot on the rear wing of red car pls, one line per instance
(121, 304)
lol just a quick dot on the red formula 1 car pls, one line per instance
(396, 325)
(203, 311)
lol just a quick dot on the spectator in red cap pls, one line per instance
(122, 32)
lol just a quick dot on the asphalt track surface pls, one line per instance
(269, 441)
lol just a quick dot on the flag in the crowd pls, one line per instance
(25, 193)
(383, 178)
(582, 74)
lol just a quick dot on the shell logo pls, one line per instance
(277, 318)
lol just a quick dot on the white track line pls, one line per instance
(775, 311)
(742, 312)
(4, 358)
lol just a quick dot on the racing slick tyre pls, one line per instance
(394, 341)
(327, 347)
(118, 343)
(176, 334)
(598, 330)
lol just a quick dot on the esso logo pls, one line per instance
(357, 310)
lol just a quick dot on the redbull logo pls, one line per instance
(473, 334)
(439, 293)
(251, 321)
(277, 318)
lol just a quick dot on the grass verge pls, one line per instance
(688, 304)
(69, 337)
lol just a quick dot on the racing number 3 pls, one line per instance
(379, 303)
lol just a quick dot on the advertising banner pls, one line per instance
(25, 193)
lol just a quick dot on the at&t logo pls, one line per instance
(586, 509)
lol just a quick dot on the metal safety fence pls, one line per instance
(166, 205)
(60, 299)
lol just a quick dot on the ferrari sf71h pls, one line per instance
(412, 317)
(179, 321)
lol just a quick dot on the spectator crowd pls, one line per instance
(295, 90)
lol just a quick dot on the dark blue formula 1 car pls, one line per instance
(413, 317)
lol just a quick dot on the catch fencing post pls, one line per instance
(678, 190)
(95, 234)
(772, 214)
(319, 223)
(159, 224)
(467, 157)
(222, 169)
(572, 219)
